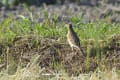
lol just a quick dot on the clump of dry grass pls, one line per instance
(36, 73)
(33, 72)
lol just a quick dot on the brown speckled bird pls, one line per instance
(73, 39)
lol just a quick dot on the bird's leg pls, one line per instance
(72, 49)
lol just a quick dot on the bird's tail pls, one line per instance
(81, 51)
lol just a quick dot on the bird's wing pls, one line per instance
(76, 39)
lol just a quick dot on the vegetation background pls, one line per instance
(33, 42)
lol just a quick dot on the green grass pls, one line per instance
(98, 32)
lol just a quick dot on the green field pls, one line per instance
(99, 39)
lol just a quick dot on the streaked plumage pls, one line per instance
(73, 39)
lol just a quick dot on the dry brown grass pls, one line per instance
(55, 55)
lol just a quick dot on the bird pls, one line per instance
(73, 39)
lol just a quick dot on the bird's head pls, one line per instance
(69, 25)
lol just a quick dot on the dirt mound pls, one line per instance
(55, 55)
